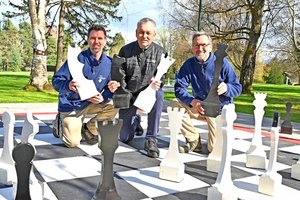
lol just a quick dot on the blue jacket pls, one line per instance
(98, 71)
(200, 76)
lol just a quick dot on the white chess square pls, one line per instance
(248, 189)
(147, 180)
(68, 168)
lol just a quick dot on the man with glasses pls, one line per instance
(199, 72)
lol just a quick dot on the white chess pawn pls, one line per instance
(8, 174)
(270, 182)
(171, 168)
(224, 189)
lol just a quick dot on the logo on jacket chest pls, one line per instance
(101, 78)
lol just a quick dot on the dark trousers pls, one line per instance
(130, 121)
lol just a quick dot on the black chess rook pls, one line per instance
(109, 131)
(23, 154)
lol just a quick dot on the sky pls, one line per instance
(133, 11)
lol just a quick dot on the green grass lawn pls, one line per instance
(277, 97)
(12, 83)
(11, 90)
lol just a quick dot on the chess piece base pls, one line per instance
(173, 172)
(213, 165)
(296, 171)
(228, 193)
(270, 184)
(256, 161)
(286, 130)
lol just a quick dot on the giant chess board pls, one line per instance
(70, 174)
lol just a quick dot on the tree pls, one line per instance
(9, 47)
(26, 44)
(285, 35)
(116, 44)
(78, 16)
(38, 76)
(73, 16)
(230, 21)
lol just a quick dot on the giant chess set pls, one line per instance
(246, 163)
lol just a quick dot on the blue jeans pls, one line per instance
(130, 121)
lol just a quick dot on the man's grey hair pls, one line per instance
(200, 33)
(145, 20)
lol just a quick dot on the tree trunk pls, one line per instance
(38, 76)
(249, 59)
(60, 40)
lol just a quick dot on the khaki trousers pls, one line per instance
(72, 121)
(189, 131)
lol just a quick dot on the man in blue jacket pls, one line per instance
(72, 110)
(198, 71)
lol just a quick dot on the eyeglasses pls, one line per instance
(200, 45)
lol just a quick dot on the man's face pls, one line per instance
(96, 41)
(201, 48)
(145, 34)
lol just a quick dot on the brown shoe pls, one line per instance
(193, 146)
(88, 136)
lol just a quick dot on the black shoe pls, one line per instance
(88, 136)
(151, 148)
(193, 146)
(57, 126)
(139, 131)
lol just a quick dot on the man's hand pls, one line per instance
(222, 88)
(96, 99)
(196, 104)
(73, 86)
(113, 86)
(155, 84)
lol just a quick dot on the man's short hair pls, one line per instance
(200, 33)
(96, 27)
(145, 20)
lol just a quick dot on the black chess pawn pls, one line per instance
(109, 131)
(286, 126)
(23, 154)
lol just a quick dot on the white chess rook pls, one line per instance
(171, 168)
(8, 174)
(270, 182)
(146, 98)
(224, 189)
(296, 170)
(29, 130)
(214, 158)
(256, 156)
(87, 87)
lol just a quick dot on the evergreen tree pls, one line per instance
(26, 45)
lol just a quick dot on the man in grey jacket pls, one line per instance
(142, 58)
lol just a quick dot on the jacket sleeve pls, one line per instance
(181, 85)
(61, 79)
(234, 88)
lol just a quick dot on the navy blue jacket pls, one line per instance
(200, 76)
(98, 71)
